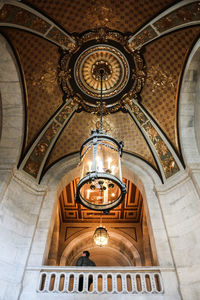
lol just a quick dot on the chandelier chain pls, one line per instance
(101, 100)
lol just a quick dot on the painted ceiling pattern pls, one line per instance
(153, 37)
(119, 125)
(115, 14)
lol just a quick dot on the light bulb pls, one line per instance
(113, 169)
(109, 162)
(90, 166)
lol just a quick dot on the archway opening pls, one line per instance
(129, 242)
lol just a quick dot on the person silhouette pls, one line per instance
(84, 261)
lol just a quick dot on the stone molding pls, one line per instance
(41, 25)
(181, 15)
(30, 185)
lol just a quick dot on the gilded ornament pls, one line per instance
(141, 38)
(159, 79)
(114, 64)
(45, 78)
(31, 167)
(40, 149)
(62, 39)
(118, 75)
(101, 13)
(19, 16)
(169, 165)
(182, 15)
(52, 131)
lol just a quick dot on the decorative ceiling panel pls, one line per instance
(38, 59)
(78, 16)
(128, 211)
(165, 59)
(118, 125)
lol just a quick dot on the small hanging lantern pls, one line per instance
(101, 236)
(101, 187)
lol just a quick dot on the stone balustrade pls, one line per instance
(105, 280)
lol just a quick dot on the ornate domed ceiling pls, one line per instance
(60, 47)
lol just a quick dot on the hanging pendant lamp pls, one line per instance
(101, 236)
(101, 187)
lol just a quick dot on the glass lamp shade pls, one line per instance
(100, 186)
(101, 236)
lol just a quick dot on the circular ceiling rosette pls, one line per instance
(101, 57)
(79, 72)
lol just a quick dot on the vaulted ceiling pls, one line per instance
(154, 39)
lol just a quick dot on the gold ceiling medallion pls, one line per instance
(101, 49)
(114, 64)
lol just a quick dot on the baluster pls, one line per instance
(85, 282)
(139, 282)
(66, 283)
(104, 283)
(47, 282)
(134, 284)
(143, 282)
(153, 284)
(95, 283)
(114, 279)
(76, 282)
(56, 283)
(124, 286)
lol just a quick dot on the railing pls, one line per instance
(100, 280)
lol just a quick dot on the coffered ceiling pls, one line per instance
(129, 211)
(154, 37)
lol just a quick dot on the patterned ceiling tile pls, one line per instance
(165, 59)
(38, 59)
(118, 125)
(78, 16)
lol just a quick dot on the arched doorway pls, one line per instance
(129, 243)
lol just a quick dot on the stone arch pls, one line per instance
(189, 110)
(73, 250)
(134, 169)
(12, 111)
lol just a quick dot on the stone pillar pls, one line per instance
(19, 211)
(53, 252)
(11, 117)
(180, 205)
(146, 243)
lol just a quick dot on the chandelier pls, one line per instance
(101, 236)
(101, 187)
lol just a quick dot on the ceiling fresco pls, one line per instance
(60, 46)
